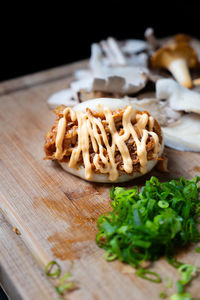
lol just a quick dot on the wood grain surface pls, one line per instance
(56, 212)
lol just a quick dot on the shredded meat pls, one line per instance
(71, 139)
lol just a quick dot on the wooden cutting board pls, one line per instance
(56, 212)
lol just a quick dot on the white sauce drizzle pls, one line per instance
(89, 128)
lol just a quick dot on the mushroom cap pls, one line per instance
(182, 38)
(165, 55)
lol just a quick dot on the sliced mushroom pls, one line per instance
(66, 97)
(180, 98)
(184, 134)
(176, 57)
(138, 60)
(159, 110)
(133, 46)
(116, 79)
(113, 52)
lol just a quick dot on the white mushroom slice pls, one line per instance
(85, 84)
(63, 97)
(82, 74)
(124, 80)
(113, 52)
(184, 135)
(158, 109)
(114, 79)
(120, 59)
(133, 46)
(138, 60)
(180, 98)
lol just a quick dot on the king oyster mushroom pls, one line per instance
(184, 134)
(180, 98)
(123, 79)
(158, 109)
(110, 75)
(177, 57)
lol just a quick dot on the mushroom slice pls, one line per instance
(139, 60)
(113, 51)
(133, 46)
(64, 97)
(116, 79)
(159, 110)
(177, 58)
(180, 98)
(184, 134)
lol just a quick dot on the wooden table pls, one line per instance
(56, 212)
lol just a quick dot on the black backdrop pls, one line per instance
(35, 38)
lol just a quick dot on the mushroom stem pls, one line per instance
(196, 82)
(150, 37)
(180, 71)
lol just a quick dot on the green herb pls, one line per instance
(147, 224)
(65, 282)
(181, 296)
(197, 249)
(49, 267)
(148, 275)
(187, 273)
(169, 283)
(163, 295)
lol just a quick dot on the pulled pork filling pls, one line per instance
(70, 140)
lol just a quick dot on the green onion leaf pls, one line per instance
(64, 287)
(163, 204)
(108, 255)
(148, 275)
(49, 267)
(187, 272)
(181, 296)
(149, 223)
(197, 249)
(163, 295)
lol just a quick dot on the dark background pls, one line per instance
(35, 38)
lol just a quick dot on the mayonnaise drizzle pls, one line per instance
(89, 128)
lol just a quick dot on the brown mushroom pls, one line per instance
(177, 58)
(182, 38)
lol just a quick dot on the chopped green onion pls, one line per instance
(147, 224)
(64, 287)
(182, 296)
(163, 204)
(173, 262)
(197, 249)
(179, 287)
(148, 275)
(187, 272)
(49, 267)
(169, 283)
(108, 255)
(163, 295)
